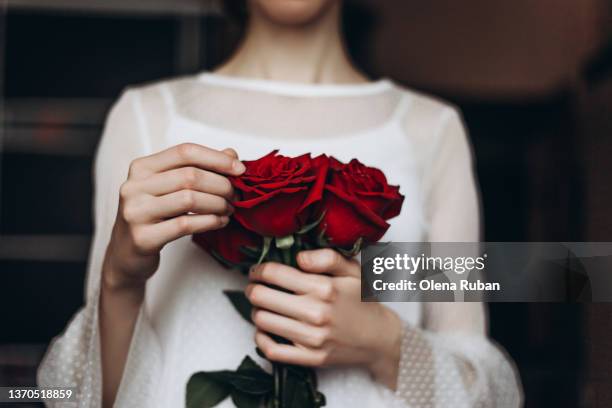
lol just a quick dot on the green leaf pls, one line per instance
(249, 381)
(266, 248)
(249, 251)
(248, 364)
(285, 242)
(296, 391)
(307, 228)
(244, 400)
(240, 303)
(353, 251)
(322, 242)
(308, 377)
(203, 391)
(320, 400)
(302, 373)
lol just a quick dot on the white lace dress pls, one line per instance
(187, 325)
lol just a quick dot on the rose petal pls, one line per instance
(275, 214)
(227, 241)
(343, 224)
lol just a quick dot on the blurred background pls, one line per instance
(532, 77)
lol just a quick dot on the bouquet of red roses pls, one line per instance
(286, 205)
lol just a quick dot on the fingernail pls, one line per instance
(238, 166)
(248, 290)
(252, 269)
(231, 152)
(224, 219)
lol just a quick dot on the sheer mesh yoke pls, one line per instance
(286, 114)
(186, 325)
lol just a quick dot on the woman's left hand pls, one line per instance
(323, 316)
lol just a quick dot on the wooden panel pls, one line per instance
(486, 48)
(46, 248)
(120, 6)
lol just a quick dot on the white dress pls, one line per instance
(187, 325)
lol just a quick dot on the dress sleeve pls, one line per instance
(449, 360)
(73, 358)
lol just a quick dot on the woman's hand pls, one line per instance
(179, 191)
(323, 316)
(170, 194)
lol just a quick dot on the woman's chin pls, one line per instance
(293, 12)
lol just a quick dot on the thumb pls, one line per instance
(230, 152)
(327, 261)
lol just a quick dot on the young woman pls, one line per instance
(155, 313)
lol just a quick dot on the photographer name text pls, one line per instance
(431, 285)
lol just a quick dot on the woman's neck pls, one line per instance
(310, 53)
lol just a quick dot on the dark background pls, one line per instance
(532, 77)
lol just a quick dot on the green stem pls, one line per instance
(287, 256)
(283, 375)
(277, 386)
(317, 397)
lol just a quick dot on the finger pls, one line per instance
(187, 178)
(175, 228)
(186, 154)
(291, 329)
(293, 280)
(153, 237)
(304, 308)
(327, 261)
(175, 204)
(287, 353)
(231, 152)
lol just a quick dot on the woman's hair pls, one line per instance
(236, 10)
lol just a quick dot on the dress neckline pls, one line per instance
(296, 88)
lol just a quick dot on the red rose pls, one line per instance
(357, 202)
(276, 193)
(226, 243)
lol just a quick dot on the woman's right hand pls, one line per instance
(179, 191)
